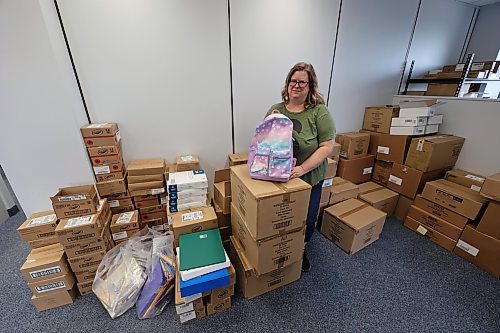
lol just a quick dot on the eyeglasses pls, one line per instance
(301, 84)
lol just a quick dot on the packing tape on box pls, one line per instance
(287, 194)
(420, 144)
(372, 190)
(354, 210)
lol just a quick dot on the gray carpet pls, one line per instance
(400, 283)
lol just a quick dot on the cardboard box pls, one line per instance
(75, 201)
(45, 262)
(393, 148)
(374, 141)
(111, 187)
(121, 236)
(408, 109)
(222, 190)
(252, 285)
(434, 222)
(113, 175)
(145, 186)
(479, 249)
(414, 130)
(143, 201)
(431, 129)
(335, 155)
(440, 211)
(353, 144)
(381, 172)
(54, 300)
(218, 307)
(156, 215)
(343, 190)
(113, 161)
(125, 202)
(331, 170)
(490, 222)
(83, 262)
(326, 191)
(194, 220)
(402, 207)
(79, 249)
(223, 220)
(271, 253)
(434, 152)
(409, 121)
(357, 170)
(103, 151)
(52, 285)
(269, 208)
(408, 181)
(415, 93)
(145, 179)
(352, 225)
(237, 158)
(79, 229)
(219, 294)
(38, 226)
(457, 198)
(86, 275)
(152, 209)
(34, 244)
(379, 197)
(435, 120)
(85, 288)
(435, 236)
(437, 89)
(378, 118)
(125, 221)
(491, 187)
(146, 167)
(187, 163)
(464, 178)
(97, 135)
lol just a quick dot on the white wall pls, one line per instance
(268, 38)
(477, 121)
(485, 40)
(41, 149)
(371, 47)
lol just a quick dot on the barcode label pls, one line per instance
(119, 235)
(475, 188)
(183, 308)
(118, 136)
(103, 169)
(367, 171)
(468, 248)
(114, 203)
(45, 272)
(187, 158)
(157, 191)
(282, 225)
(383, 150)
(72, 197)
(163, 200)
(125, 218)
(77, 221)
(281, 260)
(50, 286)
(421, 230)
(328, 182)
(395, 180)
(97, 125)
(274, 282)
(193, 216)
(42, 220)
(187, 316)
(476, 178)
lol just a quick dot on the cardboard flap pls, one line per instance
(418, 103)
(459, 190)
(355, 213)
(368, 187)
(222, 175)
(243, 260)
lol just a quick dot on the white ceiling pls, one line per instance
(480, 2)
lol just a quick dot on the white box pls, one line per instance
(188, 193)
(415, 121)
(409, 130)
(429, 129)
(425, 111)
(183, 201)
(435, 120)
(185, 180)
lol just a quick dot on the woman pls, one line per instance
(313, 132)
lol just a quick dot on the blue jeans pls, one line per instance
(313, 210)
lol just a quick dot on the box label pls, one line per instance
(114, 203)
(118, 136)
(187, 158)
(187, 316)
(468, 248)
(119, 235)
(42, 220)
(475, 188)
(50, 286)
(72, 197)
(125, 217)
(163, 200)
(97, 125)
(160, 227)
(157, 191)
(45, 272)
(328, 182)
(395, 180)
(421, 230)
(367, 170)
(459, 67)
(193, 216)
(77, 221)
(183, 308)
(103, 169)
(383, 150)
(420, 145)
(476, 178)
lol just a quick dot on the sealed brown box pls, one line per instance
(237, 158)
(356, 170)
(335, 155)
(85, 288)
(218, 307)
(125, 221)
(352, 225)
(54, 300)
(187, 163)
(378, 118)
(193, 220)
(464, 178)
(223, 220)
(75, 201)
(342, 190)
(143, 201)
(479, 249)
(123, 202)
(434, 152)
(121, 236)
(437, 89)
(186, 307)
(109, 172)
(96, 245)
(86, 275)
(326, 191)
(409, 181)
(83, 262)
(145, 186)
(374, 141)
(393, 148)
(45, 262)
(156, 215)
(442, 212)
(219, 294)
(111, 187)
(120, 209)
(490, 222)
(379, 197)
(97, 135)
(104, 151)
(269, 208)
(252, 285)
(152, 209)
(154, 191)
(110, 159)
(51, 285)
(145, 179)
(435, 236)
(434, 222)
(271, 253)
(353, 144)
(457, 198)
(222, 190)
(146, 167)
(38, 226)
(491, 187)
(331, 169)
(403, 207)
(34, 244)
(381, 172)
(79, 229)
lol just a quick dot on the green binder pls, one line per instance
(201, 249)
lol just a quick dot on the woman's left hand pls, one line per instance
(297, 172)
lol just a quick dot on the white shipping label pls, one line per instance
(476, 178)
(421, 230)
(118, 136)
(468, 248)
(114, 203)
(475, 188)
(103, 169)
(72, 197)
(45, 272)
(343, 153)
(395, 180)
(383, 150)
(459, 67)
(157, 191)
(477, 66)
(77, 221)
(42, 220)
(160, 227)
(367, 170)
(170, 220)
(125, 217)
(97, 125)
(328, 182)
(193, 216)
(191, 298)
(187, 158)
(183, 308)
(119, 235)
(163, 200)
(420, 145)
(50, 286)
(187, 316)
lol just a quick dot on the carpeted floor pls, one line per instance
(400, 283)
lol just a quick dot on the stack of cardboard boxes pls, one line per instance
(39, 229)
(416, 118)
(268, 224)
(355, 164)
(222, 203)
(187, 190)
(124, 225)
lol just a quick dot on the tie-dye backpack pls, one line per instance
(271, 152)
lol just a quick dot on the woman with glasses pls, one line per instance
(313, 132)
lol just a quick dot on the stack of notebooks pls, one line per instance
(203, 262)
(187, 189)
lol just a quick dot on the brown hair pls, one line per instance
(313, 97)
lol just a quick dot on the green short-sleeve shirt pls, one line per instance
(310, 128)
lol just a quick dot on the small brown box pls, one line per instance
(146, 167)
(237, 158)
(464, 178)
(357, 170)
(52, 285)
(353, 144)
(403, 207)
(75, 201)
(491, 187)
(38, 226)
(442, 212)
(85, 288)
(45, 262)
(490, 222)
(381, 172)
(187, 163)
(434, 222)
(125, 221)
(434, 152)
(54, 300)
(379, 197)
(331, 170)
(111, 187)
(378, 118)
(342, 190)
(435, 236)
(97, 135)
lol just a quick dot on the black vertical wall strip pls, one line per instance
(72, 62)
(333, 57)
(468, 36)
(231, 73)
